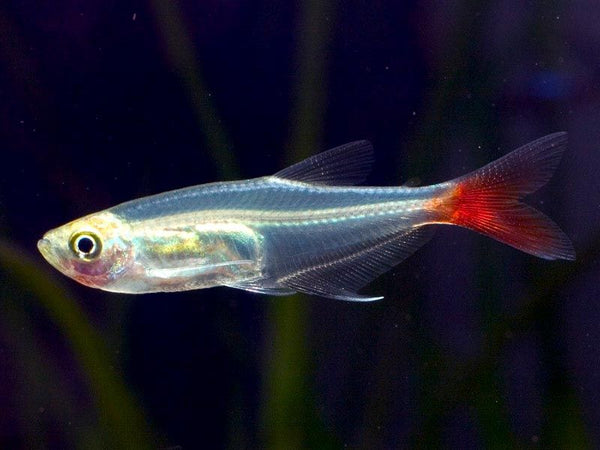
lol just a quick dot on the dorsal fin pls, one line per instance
(347, 164)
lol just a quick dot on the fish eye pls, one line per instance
(86, 245)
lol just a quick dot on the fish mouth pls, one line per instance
(49, 253)
(44, 247)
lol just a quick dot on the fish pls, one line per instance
(308, 228)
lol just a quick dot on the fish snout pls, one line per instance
(44, 247)
(50, 253)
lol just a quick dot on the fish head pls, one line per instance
(92, 250)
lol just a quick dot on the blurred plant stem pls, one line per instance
(181, 55)
(286, 392)
(121, 420)
(288, 412)
(310, 91)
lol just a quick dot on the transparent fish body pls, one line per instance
(305, 229)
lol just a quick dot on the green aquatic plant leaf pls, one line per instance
(121, 419)
(290, 419)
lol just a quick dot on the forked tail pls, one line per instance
(488, 200)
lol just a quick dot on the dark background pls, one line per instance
(475, 344)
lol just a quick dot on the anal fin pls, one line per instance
(255, 287)
(339, 274)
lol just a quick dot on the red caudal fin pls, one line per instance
(487, 200)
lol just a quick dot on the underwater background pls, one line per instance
(476, 345)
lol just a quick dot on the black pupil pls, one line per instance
(85, 245)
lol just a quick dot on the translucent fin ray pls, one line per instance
(347, 164)
(487, 200)
(256, 287)
(341, 273)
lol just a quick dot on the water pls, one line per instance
(475, 344)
